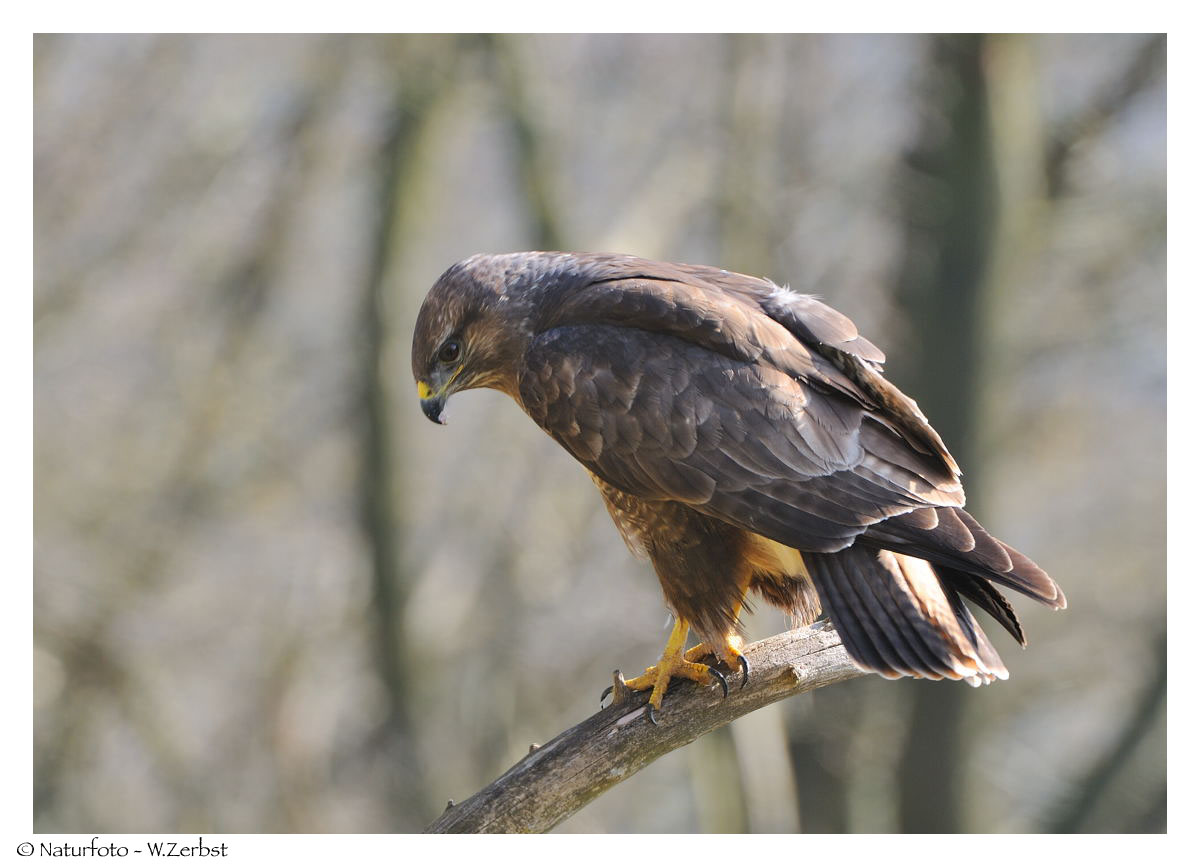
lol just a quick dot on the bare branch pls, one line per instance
(1147, 63)
(556, 780)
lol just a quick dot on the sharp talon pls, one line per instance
(650, 714)
(724, 683)
(745, 670)
(607, 691)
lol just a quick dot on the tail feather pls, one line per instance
(858, 635)
(867, 601)
(897, 595)
(897, 617)
(895, 611)
(970, 626)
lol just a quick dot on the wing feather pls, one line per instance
(736, 440)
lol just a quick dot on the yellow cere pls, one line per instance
(424, 392)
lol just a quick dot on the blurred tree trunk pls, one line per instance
(819, 744)
(532, 163)
(949, 207)
(747, 180)
(400, 130)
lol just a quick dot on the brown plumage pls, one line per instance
(744, 439)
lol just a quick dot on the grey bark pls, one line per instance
(554, 781)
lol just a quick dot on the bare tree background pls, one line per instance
(270, 596)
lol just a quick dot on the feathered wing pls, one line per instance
(666, 420)
(956, 543)
(671, 386)
(746, 319)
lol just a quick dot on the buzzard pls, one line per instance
(744, 439)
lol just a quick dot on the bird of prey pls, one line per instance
(744, 439)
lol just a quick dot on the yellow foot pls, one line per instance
(675, 663)
(730, 653)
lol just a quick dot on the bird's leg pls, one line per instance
(730, 649)
(672, 664)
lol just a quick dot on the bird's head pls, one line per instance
(472, 329)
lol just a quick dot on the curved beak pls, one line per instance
(432, 407)
(432, 403)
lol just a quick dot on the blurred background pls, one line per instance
(270, 596)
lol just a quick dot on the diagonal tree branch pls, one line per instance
(1144, 68)
(556, 780)
(1078, 809)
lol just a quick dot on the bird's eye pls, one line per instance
(450, 352)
